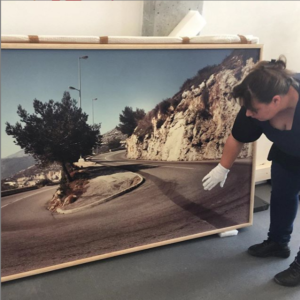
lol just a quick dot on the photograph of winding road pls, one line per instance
(186, 111)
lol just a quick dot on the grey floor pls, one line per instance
(202, 269)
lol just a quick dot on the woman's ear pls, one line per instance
(276, 100)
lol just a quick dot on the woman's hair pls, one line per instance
(266, 80)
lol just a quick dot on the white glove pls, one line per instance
(216, 175)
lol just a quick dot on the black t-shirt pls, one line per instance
(286, 143)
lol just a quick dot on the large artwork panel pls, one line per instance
(185, 92)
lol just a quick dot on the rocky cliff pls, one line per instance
(194, 124)
(113, 135)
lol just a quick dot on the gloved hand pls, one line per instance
(216, 175)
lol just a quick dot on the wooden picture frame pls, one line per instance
(171, 205)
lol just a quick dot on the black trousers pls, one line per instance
(284, 203)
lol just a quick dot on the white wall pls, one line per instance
(97, 18)
(276, 23)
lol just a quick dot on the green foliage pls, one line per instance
(164, 106)
(205, 73)
(144, 127)
(186, 84)
(175, 100)
(154, 112)
(55, 132)
(129, 119)
(202, 75)
(139, 114)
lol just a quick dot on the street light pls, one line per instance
(72, 88)
(93, 119)
(79, 75)
(93, 108)
(79, 78)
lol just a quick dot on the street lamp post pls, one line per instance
(79, 78)
(79, 90)
(93, 108)
(72, 88)
(93, 119)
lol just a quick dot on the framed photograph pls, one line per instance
(180, 98)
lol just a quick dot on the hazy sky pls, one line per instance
(118, 78)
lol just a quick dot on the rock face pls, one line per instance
(112, 135)
(194, 124)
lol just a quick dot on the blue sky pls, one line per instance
(117, 78)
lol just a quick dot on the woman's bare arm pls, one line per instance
(231, 151)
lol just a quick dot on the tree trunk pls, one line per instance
(69, 178)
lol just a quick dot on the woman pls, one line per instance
(270, 104)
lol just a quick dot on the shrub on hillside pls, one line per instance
(144, 127)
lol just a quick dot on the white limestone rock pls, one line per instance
(198, 127)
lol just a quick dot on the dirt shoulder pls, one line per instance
(102, 184)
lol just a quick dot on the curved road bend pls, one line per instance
(170, 204)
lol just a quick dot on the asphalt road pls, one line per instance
(170, 204)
